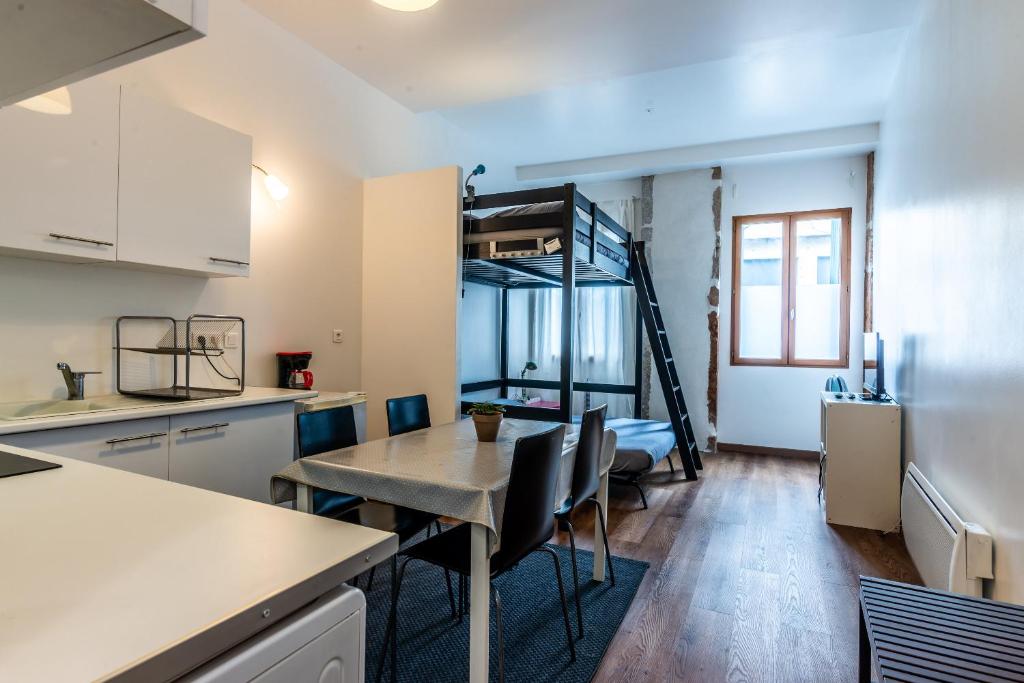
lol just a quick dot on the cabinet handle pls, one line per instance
(186, 430)
(140, 437)
(234, 262)
(87, 240)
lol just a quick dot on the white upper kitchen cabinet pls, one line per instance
(184, 193)
(58, 176)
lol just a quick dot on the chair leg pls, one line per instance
(462, 591)
(565, 607)
(394, 611)
(369, 580)
(575, 575)
(643, 496)
(391, 633)
(451, 594)
(671, 467)
(501, 637)
(604, 534)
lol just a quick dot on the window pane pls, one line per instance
(816, 261)
(761, 290)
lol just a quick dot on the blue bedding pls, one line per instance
(642, 444)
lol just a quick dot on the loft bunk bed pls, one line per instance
(556, 238)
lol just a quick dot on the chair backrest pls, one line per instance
(325, 430)
(407, 414)
(533, 481)
(586, 471)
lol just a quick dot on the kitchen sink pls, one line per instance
(30, 409)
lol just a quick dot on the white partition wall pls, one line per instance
(411, 291)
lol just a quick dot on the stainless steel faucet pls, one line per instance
(75, 381)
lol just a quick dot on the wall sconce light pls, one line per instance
(275, 186)
(54, 102)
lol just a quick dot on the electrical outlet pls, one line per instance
(231, 340)
(339, 336)
(208, 341)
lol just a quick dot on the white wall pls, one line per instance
(777, 406)
(412, 238)
(950, 246)
(315, 125)
(682, 249)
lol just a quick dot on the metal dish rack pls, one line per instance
(154, 350)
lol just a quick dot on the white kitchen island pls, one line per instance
(113, 575)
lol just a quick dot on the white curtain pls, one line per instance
(604, 329)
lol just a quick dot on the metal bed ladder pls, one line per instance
(689, 454)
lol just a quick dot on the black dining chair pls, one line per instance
(526, 526)
(332, 429)
(407, 414)
(325, 430)
(586, 477)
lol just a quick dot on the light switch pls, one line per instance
(339, 337)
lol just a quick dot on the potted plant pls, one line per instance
(487, 420)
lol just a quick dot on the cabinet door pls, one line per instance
(184, 195)
(139, 446)
(234, 451)
(58, 176)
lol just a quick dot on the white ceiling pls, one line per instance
(470, 51)
(802, 86)
(542, 81)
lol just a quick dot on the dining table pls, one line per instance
(444, 470)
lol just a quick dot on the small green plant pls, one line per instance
(486, 408)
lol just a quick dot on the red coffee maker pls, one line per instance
(293, 370)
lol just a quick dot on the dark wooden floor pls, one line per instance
(747, 582)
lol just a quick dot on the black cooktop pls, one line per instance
(12, 465)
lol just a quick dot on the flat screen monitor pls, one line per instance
(874, 365)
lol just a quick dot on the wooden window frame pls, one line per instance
(787, 323)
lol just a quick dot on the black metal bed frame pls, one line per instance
(577, 265)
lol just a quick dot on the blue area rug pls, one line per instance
(434, 647)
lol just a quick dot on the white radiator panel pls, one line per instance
(949, 553)
(929, 537)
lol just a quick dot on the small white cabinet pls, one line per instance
(58, 176)
(138, 446)
(860, 458)
(235, 450)
(185, 190)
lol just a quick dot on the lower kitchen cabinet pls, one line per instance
(138, 446)
(230, 450)
(234, 450)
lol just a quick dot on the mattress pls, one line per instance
(642, 444)
(555, 210)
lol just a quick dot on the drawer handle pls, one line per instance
(87, 240)
(140, 437)
(234, 262)
(186, 430)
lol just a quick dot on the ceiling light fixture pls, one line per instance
(275, 186)
(407, 5)
(54, 102)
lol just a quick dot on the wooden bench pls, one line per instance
(912, 633)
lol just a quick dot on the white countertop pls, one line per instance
(140, 408)
(107, 573)
(335, 399)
